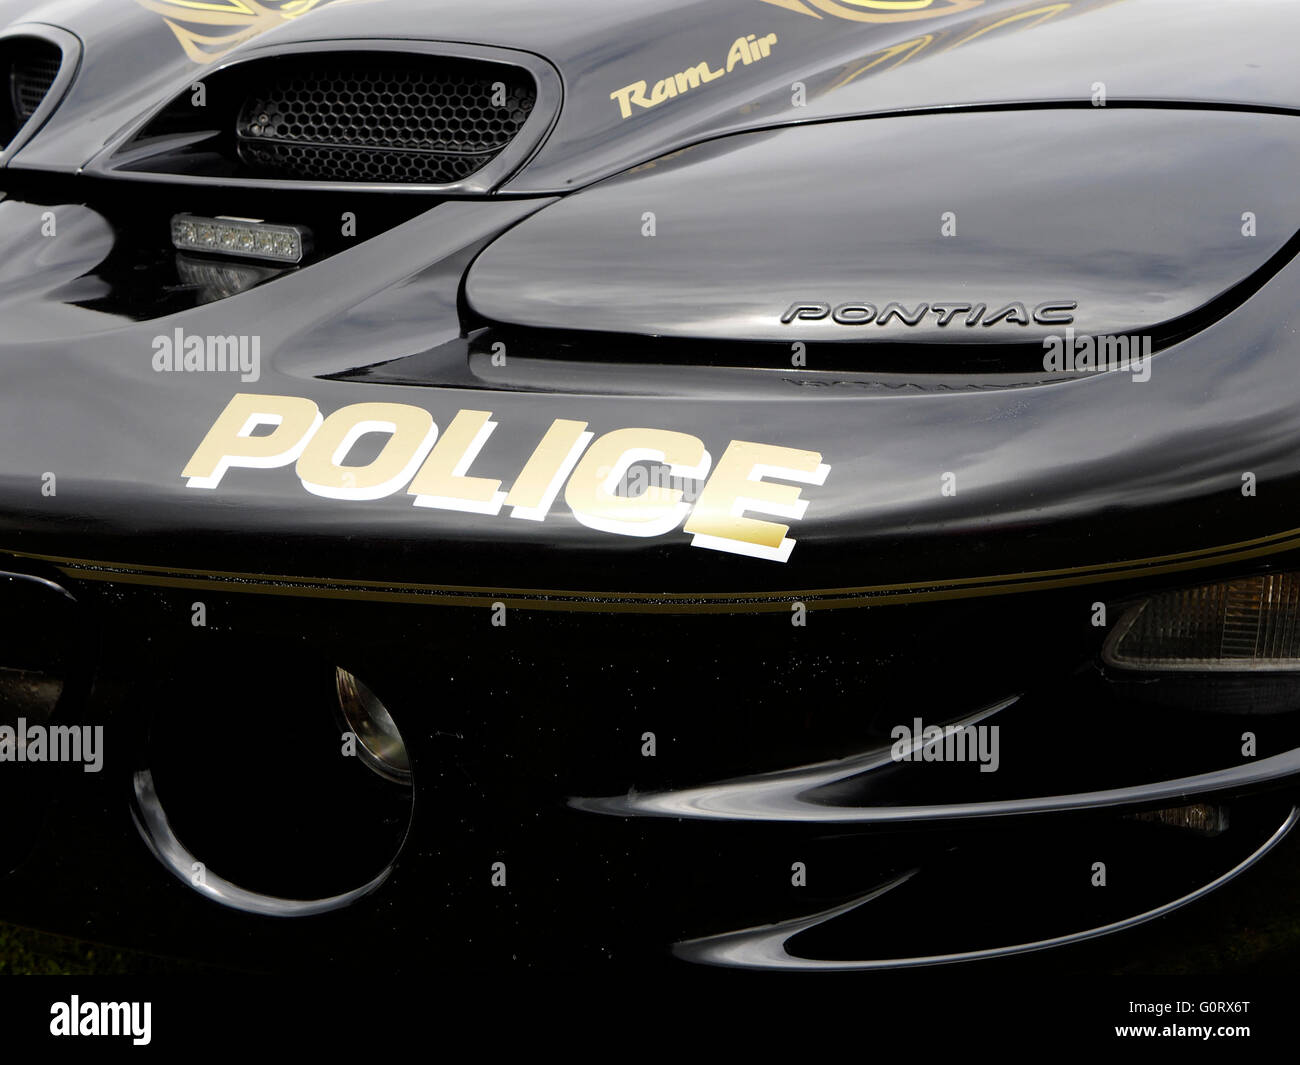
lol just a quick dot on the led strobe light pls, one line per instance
(247, 237)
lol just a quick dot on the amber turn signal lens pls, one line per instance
(1246, 625)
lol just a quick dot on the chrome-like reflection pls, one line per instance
(783, 795)
(766, 947)
(151, 821)
(791, 795)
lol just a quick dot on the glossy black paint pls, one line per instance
(1097, 488)
(1051, 456)
(502, 737)
(1000, 52)
(1133, 216)
(1162, 458)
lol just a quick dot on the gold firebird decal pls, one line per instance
(232, 22)
(878, 10)
(432, 470)
(743, 52)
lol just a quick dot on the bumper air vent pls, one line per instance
(383, 116)
(31, 77)
(401, 121)
(29, 67)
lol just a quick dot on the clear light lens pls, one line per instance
(247, 237)
(215, 280)
(1246, 625)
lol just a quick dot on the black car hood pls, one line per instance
(799, 61)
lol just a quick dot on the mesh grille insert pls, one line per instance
(325, 163)
(380, 119)
(31, 76)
